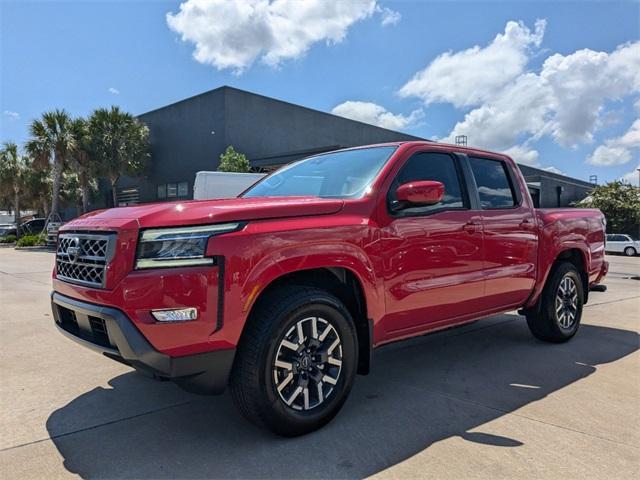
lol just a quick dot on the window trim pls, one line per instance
(462, 181)
(511, 179)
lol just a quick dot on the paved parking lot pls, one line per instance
(483, 401)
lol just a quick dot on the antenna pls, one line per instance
(593, 179)
(461, 140)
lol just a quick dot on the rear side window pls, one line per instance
(494, 186)
(430, 166)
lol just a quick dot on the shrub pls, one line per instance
(31, 240)
(232, 161)
(8, 239)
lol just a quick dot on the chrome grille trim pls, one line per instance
(82, 258)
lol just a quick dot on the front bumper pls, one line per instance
(110, 332)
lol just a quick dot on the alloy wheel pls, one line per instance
(308, 363)
(567, 302)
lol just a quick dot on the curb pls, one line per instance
(37, 248)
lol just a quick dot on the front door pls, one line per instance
(432, 254)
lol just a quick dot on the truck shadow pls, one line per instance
(420, 392)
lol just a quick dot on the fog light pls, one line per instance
(179, 315)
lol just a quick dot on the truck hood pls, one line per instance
(201, 212)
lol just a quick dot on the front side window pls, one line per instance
(343, 174)
(494, 187)
(439, 167)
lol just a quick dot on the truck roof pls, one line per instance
(430, 143)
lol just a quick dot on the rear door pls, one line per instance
(433, 270)
(510, 233)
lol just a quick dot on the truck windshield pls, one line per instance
(344, 174)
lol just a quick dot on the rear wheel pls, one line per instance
(296, 361)
(630, 251)
(561, 305)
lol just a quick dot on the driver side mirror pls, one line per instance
(420, 193)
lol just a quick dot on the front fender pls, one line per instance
(256, 257)
(307, 257)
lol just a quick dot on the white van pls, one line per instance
(210, 185)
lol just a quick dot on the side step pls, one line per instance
(598, 287)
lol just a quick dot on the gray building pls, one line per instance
(189, 136)
(550, 189)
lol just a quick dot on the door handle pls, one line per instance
(471, 226)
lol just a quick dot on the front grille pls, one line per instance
(82, 258)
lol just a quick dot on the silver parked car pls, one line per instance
(617, 243)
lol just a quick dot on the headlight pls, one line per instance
(178, 247)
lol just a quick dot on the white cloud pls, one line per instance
(234, 34)
(523, 154)
(581, 82)
(632, 176)
(114, 91)
(511, 105)
(553, 170)
(389, 17)
(526, 155)
(374, 114)
(619, 150)
(11, 114)
(521, 109)
(475, 75)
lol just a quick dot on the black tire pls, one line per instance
(254, 375)
(552, 324)
(630, 252)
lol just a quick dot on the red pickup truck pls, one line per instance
(283, 292)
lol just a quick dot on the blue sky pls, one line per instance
(552, 83)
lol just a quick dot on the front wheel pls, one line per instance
(561, 306)
(630, 251)
(296, 361)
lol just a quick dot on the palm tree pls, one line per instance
(52, 138)
(36, 190)
(74, 190)
(12, 173)
(119, 143)
(86, 168)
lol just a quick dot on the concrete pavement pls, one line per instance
(482, 401)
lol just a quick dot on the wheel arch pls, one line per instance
(572, 254)
(578, 258)
(343, 283)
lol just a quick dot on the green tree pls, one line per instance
(86, 168)
(76, 191)
(52, 138)
(232, 161)
(12, 174)
(118, 143)
(37, 187)
(620, 203)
